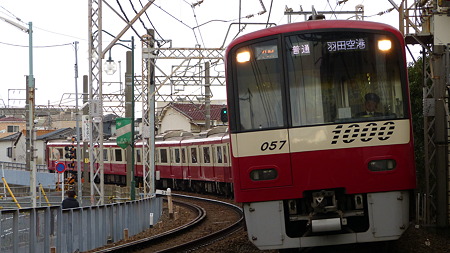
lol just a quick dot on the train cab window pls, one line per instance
(183, 155)
(105, 155)
(331, 75)
(258, 85)
(118, 155)
(57, 153)
(194, 154)
(176, 157)
(206, 155)
(163, 155)
(219, 154)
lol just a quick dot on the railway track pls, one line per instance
(212, 220)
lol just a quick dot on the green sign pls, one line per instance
(123, 130)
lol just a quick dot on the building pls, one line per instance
(12, 125)
(188, 117)
(12, 147)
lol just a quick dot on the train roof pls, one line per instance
(315, 25)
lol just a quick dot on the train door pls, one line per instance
(107, 162)
(175, 162)
(163, 162)
(207, 169)
(184, 163)
(218, 162)
(116, 160)
(227, 163)
(194, 163)
(139, 162)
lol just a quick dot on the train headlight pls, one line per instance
(263, 174)
(382, 165)
(243, 57)
(384, 45)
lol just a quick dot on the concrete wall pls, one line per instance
(22, 177)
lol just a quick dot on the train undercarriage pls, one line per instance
(211, 187)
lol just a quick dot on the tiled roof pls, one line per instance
(12, 119)
(197, 111)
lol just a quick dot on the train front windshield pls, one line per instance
(318, 78)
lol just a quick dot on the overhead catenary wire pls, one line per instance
(270, 12)
(134, 9)
(47, 46)
(196, 21)
(151, 23)
(128, 20)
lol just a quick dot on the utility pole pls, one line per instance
(128, 113)
(77, 125)
(31, 104)
(85, 130)
(207, 97)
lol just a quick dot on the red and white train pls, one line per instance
(183, 161)
(311, 166)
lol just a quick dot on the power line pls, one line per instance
(196, 21)
(328, 1)
(142, 22)
(125, 15)
(12, 15)
(151, 23)
(270, 12)
(57, 33)
(172, 16)
(15, 45)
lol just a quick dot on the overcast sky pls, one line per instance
(58, 23)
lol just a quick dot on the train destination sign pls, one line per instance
(346, 45)
(266, 52)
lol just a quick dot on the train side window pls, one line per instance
(206, 155)
(219, 154)
(105, 155)
(225, 154)
(176, 155)
(194, 156)
(138, 155)
(118, 155)
(163, 155)
(183, 155)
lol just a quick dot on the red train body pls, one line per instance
(183, 161)
(313, 163)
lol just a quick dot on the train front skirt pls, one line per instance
(387, 214)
